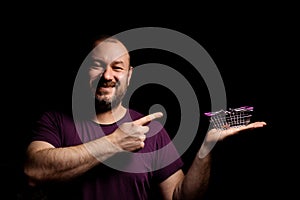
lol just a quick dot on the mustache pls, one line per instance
(104, 83)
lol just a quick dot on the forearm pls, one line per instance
(196, 180)
(66, 163)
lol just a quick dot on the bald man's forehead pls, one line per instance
(110, 50)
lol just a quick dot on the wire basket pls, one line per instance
(234, 117)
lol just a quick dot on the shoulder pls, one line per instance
(55, 116)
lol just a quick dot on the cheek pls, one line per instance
(94, 77)
(93, 73)
(91, 81)
(123, 78)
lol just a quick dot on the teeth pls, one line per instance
(110, 84)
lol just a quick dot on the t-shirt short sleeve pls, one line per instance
(168, 160)
(50, 128)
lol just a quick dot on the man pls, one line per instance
(115, 153)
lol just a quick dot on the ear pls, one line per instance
(129, 75)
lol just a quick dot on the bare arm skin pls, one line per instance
(47, 163)
(194, 183)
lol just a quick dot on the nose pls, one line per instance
(108, 73)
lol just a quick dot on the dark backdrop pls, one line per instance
(42, 55)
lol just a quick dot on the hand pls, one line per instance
(215, 135)
(130, 136)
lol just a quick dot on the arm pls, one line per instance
(46, 163)
(195, 183)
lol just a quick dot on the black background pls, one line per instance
(43, 48)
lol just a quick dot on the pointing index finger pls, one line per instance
(148, 118)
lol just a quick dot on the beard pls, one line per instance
(104, 104)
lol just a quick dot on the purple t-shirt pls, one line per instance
(130, 175)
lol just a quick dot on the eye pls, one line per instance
(99, 63)
(117, 68)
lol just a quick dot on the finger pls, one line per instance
(142, 138)
(249, 126)
(143, 129)
(255, 125)
(148, 118)
(142, 144)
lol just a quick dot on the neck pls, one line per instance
(111, 116)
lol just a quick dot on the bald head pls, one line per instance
(110, 49)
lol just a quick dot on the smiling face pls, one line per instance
(109, 73)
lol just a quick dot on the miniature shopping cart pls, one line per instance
(233, 117)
